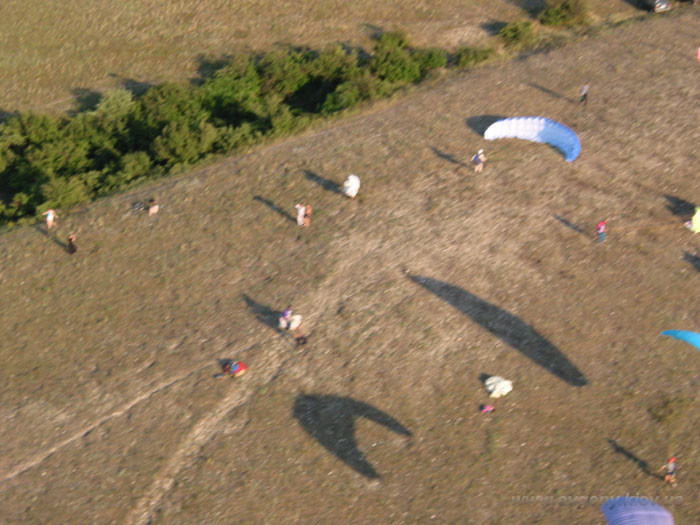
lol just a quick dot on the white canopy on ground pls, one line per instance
(497, 386)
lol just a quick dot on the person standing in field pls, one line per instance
(584, 94)
(671, 468)
(478, 161)
(301, 214)
(71, 248)
(601, 230)
(307, 215)
(153, 207)
(51, 217)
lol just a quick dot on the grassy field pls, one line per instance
(59, 55)
(431, 278)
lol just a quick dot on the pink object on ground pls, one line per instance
(487, 408)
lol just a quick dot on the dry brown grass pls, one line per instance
(110, 413)
(52, 53)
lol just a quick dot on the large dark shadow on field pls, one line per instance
(550, 92)
(643, 465)
(679, 207)
(326, 184)
(480, 123)
(507, 327)
(274, 207)
(263, 313)
(449, 158)
(692, 259)
(331, 421)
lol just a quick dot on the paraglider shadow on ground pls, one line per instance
(550, 92)
(45, 233)
(680, 207)
(325, 183)
(569, 224)
(264, 314)
(331, 421)
(507, 327)
(449, 158)
(643, 465)
(274, 207)
(480, 123)
(692, 259)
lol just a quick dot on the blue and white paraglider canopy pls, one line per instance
(635, 511)
(692, 338)
(537, 129)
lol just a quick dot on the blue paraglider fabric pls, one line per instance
(537, 129)
(692, 338)
(635, 511)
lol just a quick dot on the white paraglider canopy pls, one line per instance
(537, 129)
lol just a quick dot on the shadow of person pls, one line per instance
(331, 421)
(692, 259)
(569, 224)
(264, 314)
(549, 92)
(643, 465)
(42, 230)
(507, 327)
(325, 183)
(275, 208)
(449, 158)
(480, 123)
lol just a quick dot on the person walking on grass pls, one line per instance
(153, 207)
(307, 215)
(51, 217)
(303, 215)
(71, 248)
(584, 94)
(601, 230)
(671, 467)
(478, 161)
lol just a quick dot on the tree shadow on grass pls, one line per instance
(679, 207)
(326, 184)
(275, 208)
(331, 421)
(263, 313)
(692, 259)
(449, 158)
(643, 465)
(532, 7)
(85, 100)
(135, 87)
(480, 123)
(507, 327)
(493, 27)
